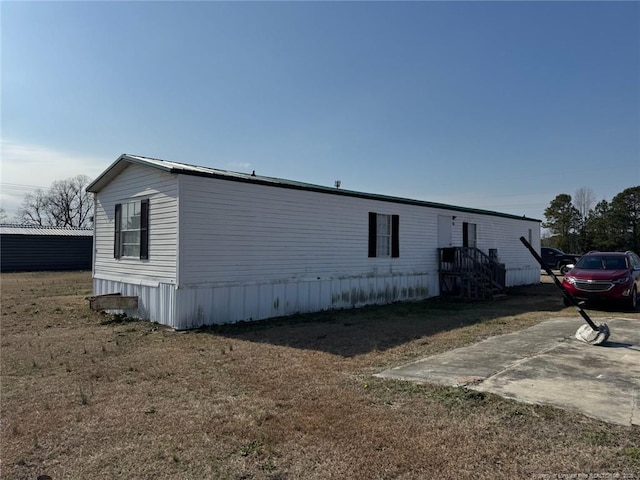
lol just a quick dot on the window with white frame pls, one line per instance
(131, 237)
(383, 235)
(469, 234)
(130, 229)
(384, 239)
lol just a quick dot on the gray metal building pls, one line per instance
(28, 248)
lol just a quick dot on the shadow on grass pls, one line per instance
(359, 331)
(119, 319)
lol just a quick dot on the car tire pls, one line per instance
(566, 302)
(634, 299)
(564, 269)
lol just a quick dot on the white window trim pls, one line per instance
(383, 239)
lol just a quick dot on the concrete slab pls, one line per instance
(545, 364)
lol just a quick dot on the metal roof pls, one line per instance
(16, 229)
(183, 168)
(186, 169)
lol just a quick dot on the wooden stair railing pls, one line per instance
(470, 274)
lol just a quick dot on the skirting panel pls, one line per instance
(522, 276)
(195, 306)
(154, 303)
(211, 305)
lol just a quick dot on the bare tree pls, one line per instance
(69, 204)
(65, 204)
(34, 209)
(583, 200)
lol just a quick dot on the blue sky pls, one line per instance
(496, 105)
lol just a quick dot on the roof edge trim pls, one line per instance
(183, 169)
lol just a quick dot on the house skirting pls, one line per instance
(193, 306)
(522, 276)
(156, 301)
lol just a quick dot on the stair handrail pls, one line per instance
(481, 263)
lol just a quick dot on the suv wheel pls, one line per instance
(632, 303)
(564, 269)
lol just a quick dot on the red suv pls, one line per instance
(606, 276)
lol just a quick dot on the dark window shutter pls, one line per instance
(144, 229)
(116, 236)
(395, 236)
(373, 223)
(465, 234)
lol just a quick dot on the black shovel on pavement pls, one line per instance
(590, 333)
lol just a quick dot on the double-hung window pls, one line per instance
(384, 239)
(383, 235)
(469, 234)
(131, 237)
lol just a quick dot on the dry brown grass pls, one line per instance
(87, 396)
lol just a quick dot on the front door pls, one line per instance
(444, 231)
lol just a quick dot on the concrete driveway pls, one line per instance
(545, 364)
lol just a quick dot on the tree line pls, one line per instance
(578, 224)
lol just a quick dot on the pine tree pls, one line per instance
(563, 220)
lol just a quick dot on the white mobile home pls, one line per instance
(201, 246)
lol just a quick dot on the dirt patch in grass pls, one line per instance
(90, 396)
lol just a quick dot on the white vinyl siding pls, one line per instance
(234, 232)
(238, 232)
(130, 186)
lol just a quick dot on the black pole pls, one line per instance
(565, 293)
